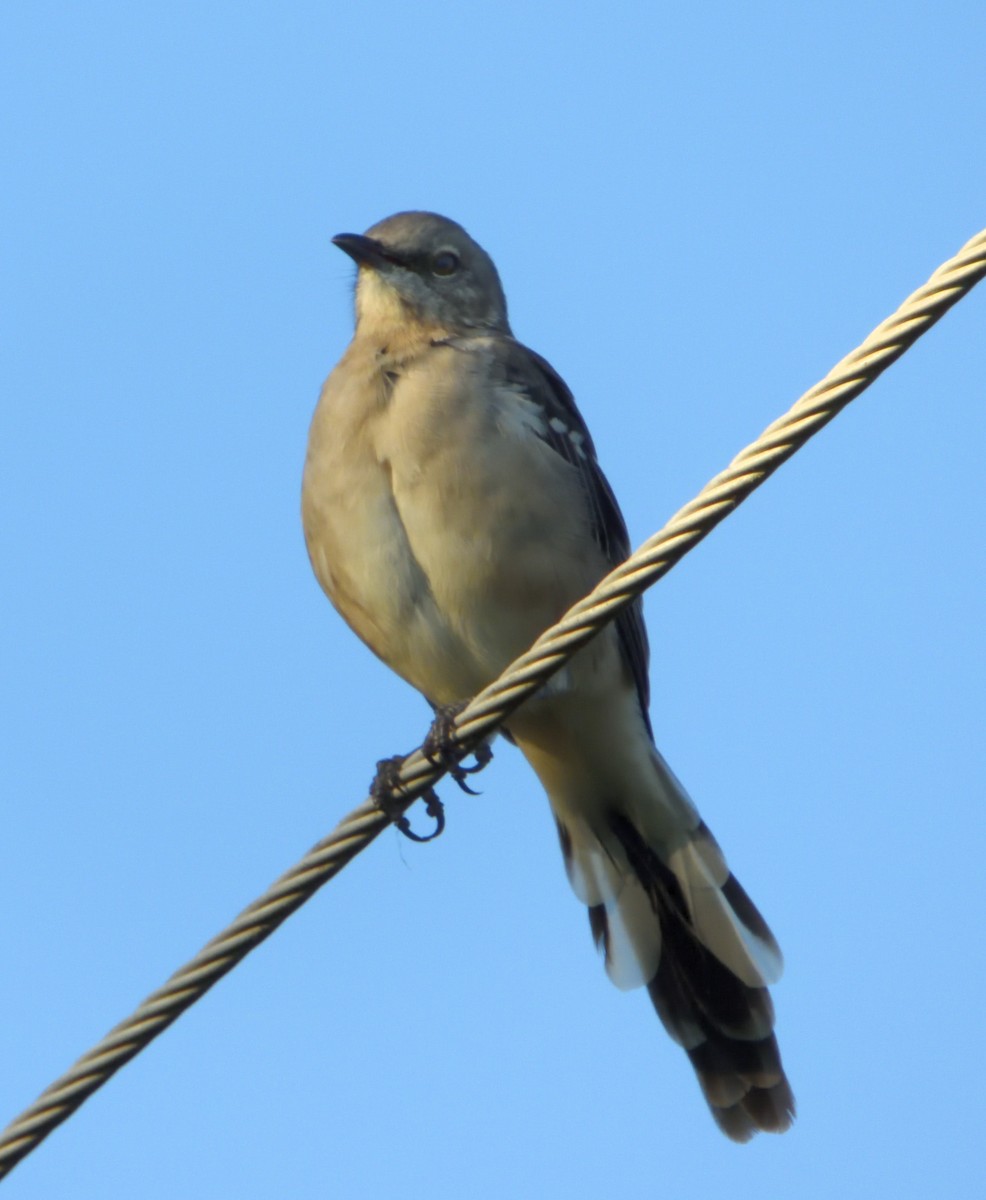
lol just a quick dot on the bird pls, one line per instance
(454, 508)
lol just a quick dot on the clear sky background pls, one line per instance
(696, 212)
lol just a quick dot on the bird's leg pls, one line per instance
(440, 749)
(384, 791)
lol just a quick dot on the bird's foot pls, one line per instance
(385, 791)
(440, 749)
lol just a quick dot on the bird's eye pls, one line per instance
(446, 262)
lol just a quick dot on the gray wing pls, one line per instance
(566, 434)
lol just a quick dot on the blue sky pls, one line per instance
(695, 213)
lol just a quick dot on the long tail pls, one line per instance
(666, 912)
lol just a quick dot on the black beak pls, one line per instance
(364, 251)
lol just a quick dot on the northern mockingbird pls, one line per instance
(453, 509)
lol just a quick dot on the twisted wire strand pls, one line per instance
(779, 441)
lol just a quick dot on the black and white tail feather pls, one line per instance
(676, 920)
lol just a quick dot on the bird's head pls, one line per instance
(423, 269)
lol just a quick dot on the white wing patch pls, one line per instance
(577, 439)
(517, 415)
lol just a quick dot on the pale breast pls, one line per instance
(494, 517)
(446, 532)
(357, 541)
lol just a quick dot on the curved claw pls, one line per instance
(434, 808)
(384, 789)
(439, 748)
(483, 756)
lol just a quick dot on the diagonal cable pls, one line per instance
(953, 279)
